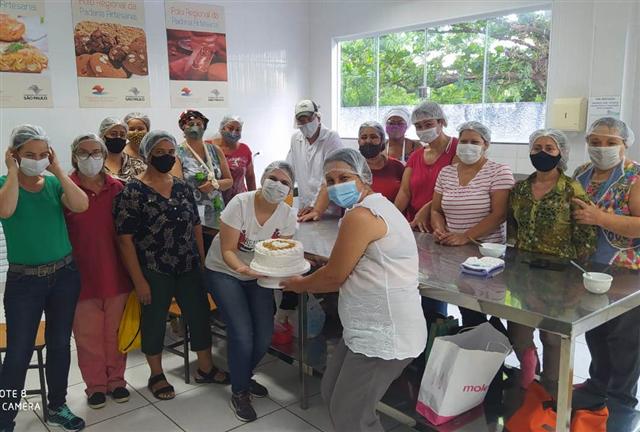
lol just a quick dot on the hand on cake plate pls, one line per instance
(246, 270)
(293, 284)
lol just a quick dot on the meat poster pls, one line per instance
(25, 80)
(111, 53)
(197, 48)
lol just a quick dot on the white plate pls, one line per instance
(273, 279)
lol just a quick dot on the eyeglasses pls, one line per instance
(95, 155)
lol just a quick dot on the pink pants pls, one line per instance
(95, 328)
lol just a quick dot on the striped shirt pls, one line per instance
(465, 206)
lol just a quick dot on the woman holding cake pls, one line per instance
(247, 309)
(374, 267)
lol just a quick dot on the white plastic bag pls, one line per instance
(459, 371)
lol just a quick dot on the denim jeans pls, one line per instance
(433, 309)
(247, 309)
(25, 298)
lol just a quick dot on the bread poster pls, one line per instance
(197, 52)
(111, 53)
(25, 80)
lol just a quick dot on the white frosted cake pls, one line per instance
(279, 256)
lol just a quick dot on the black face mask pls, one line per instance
(115, 145)
(163, 163)
(544, 162)
(370, 150)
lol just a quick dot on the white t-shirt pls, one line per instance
(307, 161)
(240, 214)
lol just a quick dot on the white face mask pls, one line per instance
(469, 153)
(604, 158)
(310, 128)
(33, 168)
(428, 135)
(90, 167)
(274, 192)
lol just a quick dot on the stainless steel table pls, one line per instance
(554, 301)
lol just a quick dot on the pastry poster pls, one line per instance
(25, 80)
(111, 53)
(197, 47)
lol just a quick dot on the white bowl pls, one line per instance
(597, 283)
(494, 250)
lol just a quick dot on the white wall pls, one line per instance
(587, 58)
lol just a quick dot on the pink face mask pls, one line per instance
(396, 130)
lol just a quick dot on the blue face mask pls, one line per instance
(345, 195)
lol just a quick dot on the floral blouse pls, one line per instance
(162, 229)
(547, 225)
(131, 168)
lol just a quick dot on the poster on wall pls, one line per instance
(197, 47)
(603, 106)
(111, 53)
(25, 79)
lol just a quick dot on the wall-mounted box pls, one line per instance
(568, 114)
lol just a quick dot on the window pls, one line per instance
(492, 70)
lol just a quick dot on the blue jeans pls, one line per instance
(247, 310)
(25, 298)
(433, 309)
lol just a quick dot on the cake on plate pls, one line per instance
(279, 257)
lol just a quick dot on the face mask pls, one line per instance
(604, 158)
(230, 137)
(274, 192)
(396, 131)
(194, 132)
(469, 153)
(32, 167)
(544, 162)
(90, 166)
(428, 135)
(163, 163)
(309, 129)
(345, 195)
(370, 150)
(135, 137)
(115, 145)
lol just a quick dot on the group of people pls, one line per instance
(143, 213)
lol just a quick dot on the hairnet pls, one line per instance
(377, 126)
(87, 137)
(151, 139)
(624, 131)
(401, 112)
(354, 159)
(560, 139)
(478, 127)
(279, 165)
(189, 114)
(138, 116)
(228, 119)
(20, 135)
(428, 110)
(110, 122)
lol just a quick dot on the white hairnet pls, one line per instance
(87, 137)
(278, 165)
(354, 159)
(475, 126)
(138, 116)
(560, 139)
(428, 110)
(624, 131)
(401, 112)
(377, 126)
(110, 122)
(228, 119)
(20, 135)
(151, 139)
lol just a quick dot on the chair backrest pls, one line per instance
(40, 343)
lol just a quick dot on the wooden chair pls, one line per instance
(176, 313)
(38, 348)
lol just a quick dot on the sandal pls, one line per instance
(210, 378)
(158, 393)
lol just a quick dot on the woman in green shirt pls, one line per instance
(41, 276)
(541, 220)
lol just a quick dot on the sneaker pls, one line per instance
(241, 405)
(64, 418)
(120, 395)
(97, 400)
(257, 390)
(528, 365)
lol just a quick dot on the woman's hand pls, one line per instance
(455, 239)
(294, 284)
(304, 211)
(422, 220)
(313, 215)
(316, 261)
(206, 187)
(143, 291)
(587, 214)
(246, 270)
(54, 164)
(440, 235)
(10, 161)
